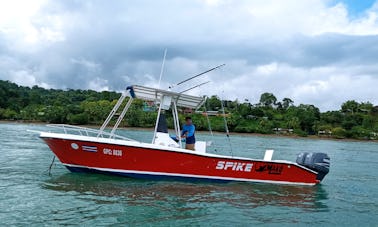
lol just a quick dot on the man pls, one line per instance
(188, 131)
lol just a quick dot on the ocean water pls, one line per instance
(30, 196)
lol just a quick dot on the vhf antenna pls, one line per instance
(162, 67)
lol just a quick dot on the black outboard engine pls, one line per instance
(319, 162)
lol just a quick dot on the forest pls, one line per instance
(356, 120)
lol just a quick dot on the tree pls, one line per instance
(308, 115)
(279, 106)
(257, 111)
(9, 114)
(78, 119)
(268, 99)
(244, 109)
(350, 106)
(56, 115)
(365, 107)
(293, 123)
(286, 103)
(339, 132)
(97, 110)
(264, 126)
(374, 110)
(230, 105)
(352, 120)
(359, 132)
(213, 103)
(332, 117)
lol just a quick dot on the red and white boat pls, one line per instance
(87, 150)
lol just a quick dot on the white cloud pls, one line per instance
(25, 28)
(25, 78)
(267, 69)
(91, 66)
(98, 84)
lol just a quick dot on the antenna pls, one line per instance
(162, 67)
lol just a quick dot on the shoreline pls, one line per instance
(273, 135)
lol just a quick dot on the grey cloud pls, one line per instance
(113, 44)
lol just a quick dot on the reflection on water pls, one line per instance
(109, 189)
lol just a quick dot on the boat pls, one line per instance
(82, 149)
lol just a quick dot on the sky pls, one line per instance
(321, 52)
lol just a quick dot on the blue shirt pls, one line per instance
(190, 130)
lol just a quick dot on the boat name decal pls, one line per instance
(114, 152)
(270, 168)
(234, 166)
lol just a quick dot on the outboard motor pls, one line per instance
(319, 162)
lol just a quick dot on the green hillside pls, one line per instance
(270, 116)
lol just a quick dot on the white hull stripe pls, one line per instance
(188, 175)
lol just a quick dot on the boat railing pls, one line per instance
(84, 131)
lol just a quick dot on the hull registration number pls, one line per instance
(113, 152)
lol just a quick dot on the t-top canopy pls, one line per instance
(154, 94)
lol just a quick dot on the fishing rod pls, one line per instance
(226, 128)
(195, 76)
(195, 86)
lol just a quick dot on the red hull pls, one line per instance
(134, 160)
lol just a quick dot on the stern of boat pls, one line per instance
(318, 162)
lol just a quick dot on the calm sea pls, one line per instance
(29, 196)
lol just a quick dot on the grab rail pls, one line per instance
(83, 131)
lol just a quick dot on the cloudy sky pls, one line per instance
(320, 52)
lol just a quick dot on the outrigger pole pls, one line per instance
(195, 86)
(200, 74)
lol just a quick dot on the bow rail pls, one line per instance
(84, 131)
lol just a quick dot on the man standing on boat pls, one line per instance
(188, 131)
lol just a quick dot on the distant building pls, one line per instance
(324, 133)
(283, 130)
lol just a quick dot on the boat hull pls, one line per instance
(133, 159)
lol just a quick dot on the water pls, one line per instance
(29, 196)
